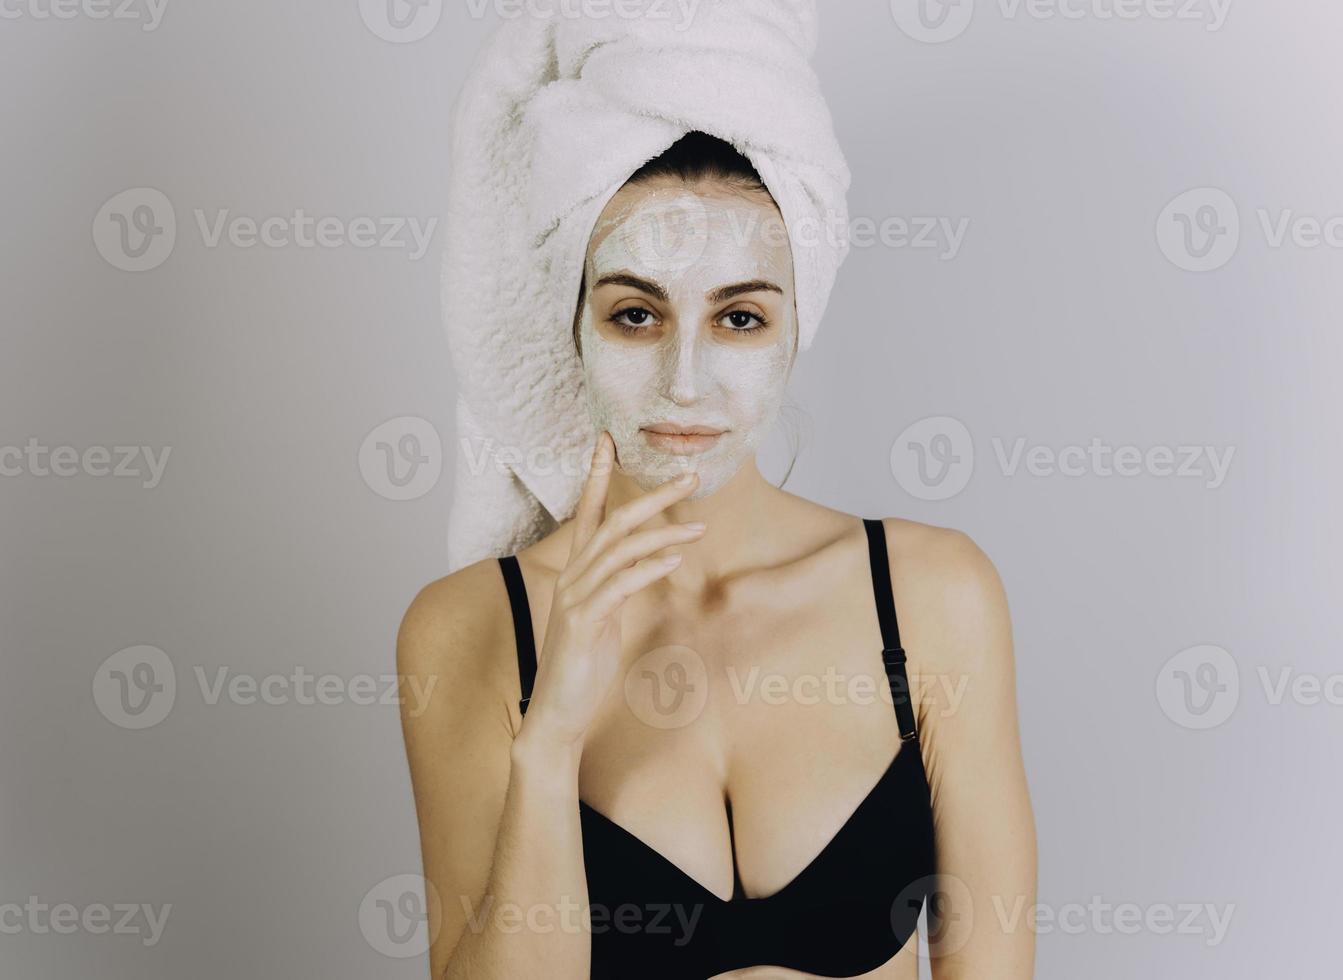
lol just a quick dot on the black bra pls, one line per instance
(851, 909)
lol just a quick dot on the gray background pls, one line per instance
(265, 547)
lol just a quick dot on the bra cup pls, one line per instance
(850, 910)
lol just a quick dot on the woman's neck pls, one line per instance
(738, 516)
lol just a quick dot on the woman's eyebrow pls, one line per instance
(724, 293)
(720, 295)
(634, 282)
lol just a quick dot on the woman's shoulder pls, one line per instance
(948, 554)
(948, 591)
(455, 623)
(948, 594)
(941, 556)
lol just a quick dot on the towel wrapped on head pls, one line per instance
(557, 113)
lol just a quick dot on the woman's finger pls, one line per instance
(620, 586)
(628, 516)
(592, 503)
(629, 550)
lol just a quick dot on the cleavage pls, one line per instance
(703, 865)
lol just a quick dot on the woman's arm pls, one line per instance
(498, 817)
(960, 644)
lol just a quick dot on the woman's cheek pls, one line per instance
(620, 383)
(755, 382)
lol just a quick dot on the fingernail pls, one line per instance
(684, 479)
(672, 560)
(694, 525)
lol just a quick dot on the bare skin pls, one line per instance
(772, 584)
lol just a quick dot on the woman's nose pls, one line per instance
(682, 370)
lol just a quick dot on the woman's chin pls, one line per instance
(713, 474)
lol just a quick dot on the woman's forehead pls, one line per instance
(669, 231)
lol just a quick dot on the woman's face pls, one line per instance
(688, 329)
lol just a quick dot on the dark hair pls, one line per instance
(698, 156)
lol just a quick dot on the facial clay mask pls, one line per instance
(662, 354)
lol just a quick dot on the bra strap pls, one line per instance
(892, 654)
(522, 627)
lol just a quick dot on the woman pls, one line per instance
(666, 795)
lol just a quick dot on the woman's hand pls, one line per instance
(609, 561)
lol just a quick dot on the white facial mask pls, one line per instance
(690, 370)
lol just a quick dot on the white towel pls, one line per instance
(558, 111)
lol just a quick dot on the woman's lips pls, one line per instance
(680, 440)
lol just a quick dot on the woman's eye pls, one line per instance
(638, 319)
(744, 321)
